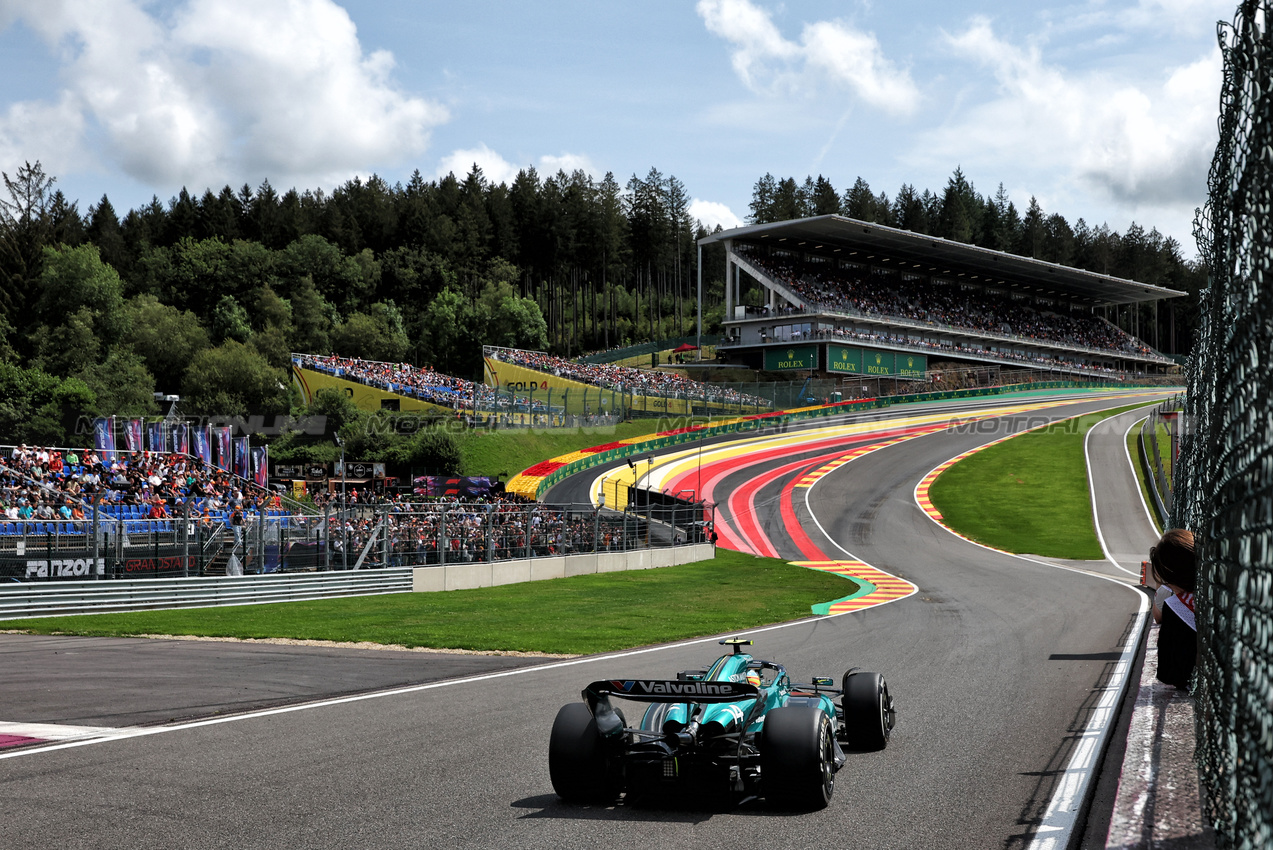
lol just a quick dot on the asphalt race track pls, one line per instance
(996, 664)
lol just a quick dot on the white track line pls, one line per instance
(142, 732)
(1096, 517)
(1060, 818)
(1149, 513)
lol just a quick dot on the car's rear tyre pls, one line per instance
(868, 711)
(797, 758)
(576, 757)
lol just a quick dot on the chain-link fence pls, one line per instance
(1225, 481)
(355, 538)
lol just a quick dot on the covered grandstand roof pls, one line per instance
(868, 242)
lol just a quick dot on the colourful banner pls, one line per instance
(225, 457)
(181, 438)
(104, 437)
(155, 437)
(440, 485)
(132, 435)
(242, 460)
(261, 465)
(203, 445)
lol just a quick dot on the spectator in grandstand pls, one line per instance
(942, 304)
(1174, 566)
(625, 379)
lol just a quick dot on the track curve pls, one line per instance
(994, 664)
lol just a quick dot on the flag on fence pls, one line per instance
(104, 437)
(132, 435)
(242, 460)
(203, 444)
(181, 438)
(260, 465)
(225, 460)
(155, 437)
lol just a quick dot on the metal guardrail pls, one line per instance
(60, 598)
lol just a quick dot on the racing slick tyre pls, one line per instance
(576, 757)
(868, 711)
(797, 758)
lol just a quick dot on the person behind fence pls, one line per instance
(1174, 566)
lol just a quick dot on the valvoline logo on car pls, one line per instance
(715, 689)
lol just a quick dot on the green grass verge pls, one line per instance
(1027, 495)
(1133, 446)
(599, 613)
(506, 453)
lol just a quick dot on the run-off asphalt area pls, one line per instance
(993, 665)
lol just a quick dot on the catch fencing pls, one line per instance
(1225, 486)
(355, 538)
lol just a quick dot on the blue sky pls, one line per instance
(1103, 110)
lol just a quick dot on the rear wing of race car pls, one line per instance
(664, 690)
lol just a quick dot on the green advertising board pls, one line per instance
(879, 363)
(791, 357)
(848, 360)
(844, 359)
(912, 365)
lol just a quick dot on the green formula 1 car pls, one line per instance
(736, 730)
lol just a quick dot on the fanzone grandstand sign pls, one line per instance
(791, 357)
(858, 361)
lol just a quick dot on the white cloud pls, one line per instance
(48, 132)
(496, 169)
(224, 90)
(1144, 144)
(829, 53)
(1179, 15)
(567, 162)
(711, 213)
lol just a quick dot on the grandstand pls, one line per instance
(580, 385)
(376, 385)
(847, 297)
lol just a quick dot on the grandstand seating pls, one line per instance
(828, 288)
(626, 379)
(415, 382)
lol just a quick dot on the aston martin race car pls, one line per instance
(736, 730)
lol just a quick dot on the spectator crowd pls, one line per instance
(952, 305)
(626, 379)
(416, 382)
(39, 484)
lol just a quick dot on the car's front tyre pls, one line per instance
(868, 711)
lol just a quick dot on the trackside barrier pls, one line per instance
(467, 576)
(1159, 477)
(91, 597)
(534, 486)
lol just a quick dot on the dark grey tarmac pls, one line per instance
(995, 665)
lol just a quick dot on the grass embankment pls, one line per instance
(1027, 495)
(586, 614)
(507, 452)
(1142, 474)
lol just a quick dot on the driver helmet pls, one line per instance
(753, 676)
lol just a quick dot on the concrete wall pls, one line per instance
(465, 576)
